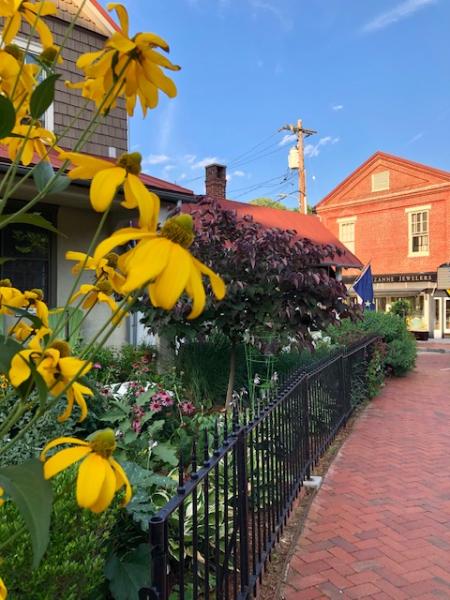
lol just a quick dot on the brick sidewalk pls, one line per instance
(380, 525)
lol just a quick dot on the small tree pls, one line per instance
(277, 290)
(402, 308)
(269, 203)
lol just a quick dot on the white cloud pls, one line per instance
(168, 168)
(204, 162)
(189, 158)
(401, 11)
(416, 137)
(239, 173)
(337, 107)
(167, 121)
(287, 139)
(313, 150)
(285, 21)
(182, 176)
(155, 159)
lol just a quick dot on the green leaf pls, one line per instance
(33, 496)
(22, 312)
(43, 173)
(43, 96)
(155, 427)
(127, 575)
(130, 437)
(112, 415)
(166, 453)
(31, 219)
(3, 260)
(7, 116)
(8, 348)
(188, 592)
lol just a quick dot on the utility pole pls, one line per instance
(301, 133)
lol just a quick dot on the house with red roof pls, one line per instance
(395, 214)
(306, 226)
(38, 254)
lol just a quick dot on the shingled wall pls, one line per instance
(112, 131)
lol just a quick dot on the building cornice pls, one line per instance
(426, 190)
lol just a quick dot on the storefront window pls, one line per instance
(417, 306)
(381, 304)
(437, 313)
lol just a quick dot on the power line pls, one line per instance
(285, 179)
(258, 157)
(244, 157)
(237, 158)
(252, 185)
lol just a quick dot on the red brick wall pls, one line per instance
(381, 228)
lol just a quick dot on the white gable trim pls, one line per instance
(97, 16)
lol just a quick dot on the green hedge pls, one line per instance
(401, 350)
(73, 566)
(204, 366)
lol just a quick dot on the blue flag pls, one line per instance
(363, 288)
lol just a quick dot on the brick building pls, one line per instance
(395, 213)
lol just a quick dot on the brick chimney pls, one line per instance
(216, 181)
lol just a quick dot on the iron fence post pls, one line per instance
(306, 441)
(159, 551)
(345, 388)
(241, 455)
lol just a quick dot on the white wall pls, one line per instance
(79, 226)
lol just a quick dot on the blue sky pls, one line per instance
(367, 75)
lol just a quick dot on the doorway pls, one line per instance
(441, 326)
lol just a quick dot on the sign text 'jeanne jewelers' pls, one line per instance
(405, 277)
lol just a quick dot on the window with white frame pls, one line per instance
(33, 49)
(347, 232)
(419, 230)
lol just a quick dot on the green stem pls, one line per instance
(61, 323)
(14, 416)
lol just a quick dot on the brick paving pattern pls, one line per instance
(380, 525)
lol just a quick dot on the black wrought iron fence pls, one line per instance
(213, 539)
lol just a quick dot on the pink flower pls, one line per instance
(138, 411)
(163, 397)
(155, 406)
(96, 366)
(187, 408)
(137, 426)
